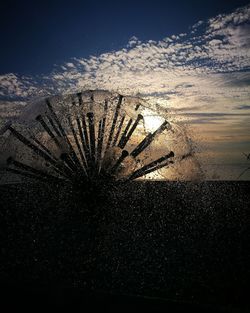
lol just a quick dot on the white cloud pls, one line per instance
(181, 70)
(197, 25)
(133, 41)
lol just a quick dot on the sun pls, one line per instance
(152, 122)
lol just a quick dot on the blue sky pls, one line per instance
(38, 34)
(191, 57)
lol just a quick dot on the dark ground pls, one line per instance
(155, 246)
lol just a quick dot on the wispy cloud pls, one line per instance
(209, 66)
(243, 107)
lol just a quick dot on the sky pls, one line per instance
(191, 57)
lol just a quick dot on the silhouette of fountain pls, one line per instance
(247, 168)
(86, 139)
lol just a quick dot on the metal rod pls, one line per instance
(72, 151)
(90, 116)
(36, 150)
(62, 167)
(68, 160)
(103, 125)
(53, 125)
(85, 147)
(5, 128)
(85, 131)
(137, 106)
(105, 107)
(79, 95)
(77, 143)
(185, 156)
(120, 144)
(99, 144)
(43, 147)
(74, 158)
(119, 161)
(25, 167)
(55, 118)
(148, 139)
(30, 145)
(126, 139)
(25, 174)
(91, 102)
(118, 131)
(153, 169)
(145, 168)
(118, 106)
(40, 119)
(73, 154)
(104, 120)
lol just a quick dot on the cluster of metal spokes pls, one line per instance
(89, 146)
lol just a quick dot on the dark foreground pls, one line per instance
(152, 246)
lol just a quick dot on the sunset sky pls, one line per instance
(191, 57)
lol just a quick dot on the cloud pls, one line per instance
(209, 67)
(210, 118)
(243, 107)
(133, 41)
(197, 25)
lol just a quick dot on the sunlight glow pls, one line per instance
(152, 122)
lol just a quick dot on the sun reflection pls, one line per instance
(152, 122)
